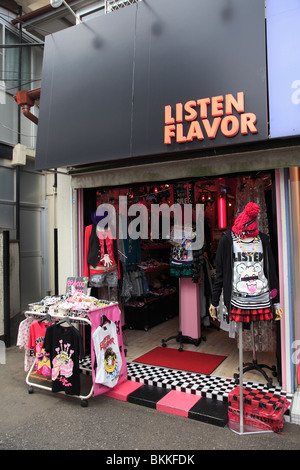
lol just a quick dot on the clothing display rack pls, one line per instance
(85, 364)
(255, 366)
(30, 383)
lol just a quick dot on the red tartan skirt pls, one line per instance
(248, 315)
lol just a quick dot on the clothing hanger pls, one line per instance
(46, 317)
(64, 320)
(104, 319)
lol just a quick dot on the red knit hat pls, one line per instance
(246, 223)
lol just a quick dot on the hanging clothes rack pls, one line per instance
(85, 364)
(86, 369)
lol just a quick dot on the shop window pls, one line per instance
(223, 199)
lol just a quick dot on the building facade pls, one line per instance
(158, 95)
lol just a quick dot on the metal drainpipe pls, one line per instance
(6, 288)
(19, 137)
(28, 114)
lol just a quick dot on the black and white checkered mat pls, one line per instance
(208, 386)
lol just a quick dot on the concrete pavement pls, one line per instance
(44, 421)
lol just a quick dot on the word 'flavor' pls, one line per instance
(206, 116)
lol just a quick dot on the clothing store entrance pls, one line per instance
(150, 292)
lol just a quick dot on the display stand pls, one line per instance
(91, 318)
(30, 383)
(240, 427)
(189, 305)
(259, 367)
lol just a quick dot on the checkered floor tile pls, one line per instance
(208, 386)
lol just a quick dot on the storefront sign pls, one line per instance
(283, 36)
(214, 113)
(155, 77)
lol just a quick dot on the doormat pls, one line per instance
(190, 361)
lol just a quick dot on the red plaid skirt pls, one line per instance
(248, 315)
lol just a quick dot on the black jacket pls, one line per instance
(224, 269)
(94, 253)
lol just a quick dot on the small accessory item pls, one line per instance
(248, 248)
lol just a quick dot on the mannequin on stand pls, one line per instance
(186, 265)
(101, 261)
(245, 271)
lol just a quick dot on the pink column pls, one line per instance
(190, 308)
(80, 229)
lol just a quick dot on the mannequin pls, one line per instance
(245, 271)
(101, 261)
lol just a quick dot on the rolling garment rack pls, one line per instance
(85, 364)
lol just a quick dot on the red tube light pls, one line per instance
(222, 213)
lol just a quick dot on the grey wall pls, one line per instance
(106, 82)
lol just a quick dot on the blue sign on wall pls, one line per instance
(283, 41)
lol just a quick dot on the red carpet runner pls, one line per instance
(190, 361)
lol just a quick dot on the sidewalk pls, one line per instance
(43, 420)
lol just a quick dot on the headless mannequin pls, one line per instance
(241, 258)
(246, 273)
(278, 310)
(103, 266)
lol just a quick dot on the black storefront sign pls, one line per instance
(156, 77)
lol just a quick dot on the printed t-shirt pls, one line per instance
(108, 356)
(64, 345)
(36, 339)
(250, 286)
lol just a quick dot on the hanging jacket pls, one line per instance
(224, 269)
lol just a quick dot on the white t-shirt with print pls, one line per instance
(108, 356)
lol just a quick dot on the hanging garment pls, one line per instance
(108, 357)
(64, 344)
(126, 286)
(132, 252)
(22, 342)
(37, 332)
(113, 313)
(181, 264)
